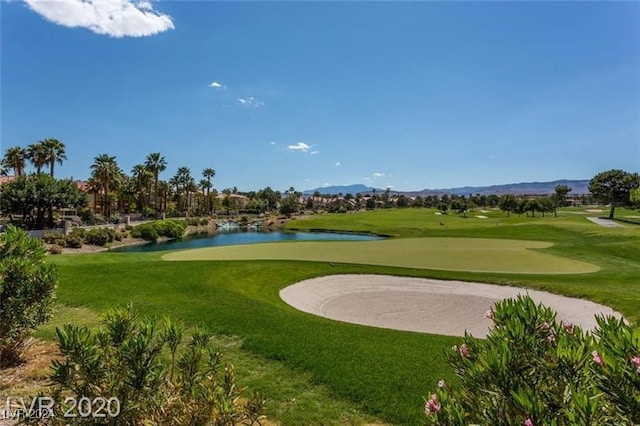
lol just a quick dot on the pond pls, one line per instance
(235, 237)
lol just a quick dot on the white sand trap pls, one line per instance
(479, 216)
(423, 305)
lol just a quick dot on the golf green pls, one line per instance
(454, 254)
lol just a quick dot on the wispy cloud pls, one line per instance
(216, 85)
(300, 146)
(251, 101)
(338, 164)
(316, 152)
(114, 18)
(377, 175)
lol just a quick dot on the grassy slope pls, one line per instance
(384, 371)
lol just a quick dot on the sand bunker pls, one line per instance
(423, 305)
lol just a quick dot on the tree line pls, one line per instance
(34, 197)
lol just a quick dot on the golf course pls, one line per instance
(315, 370)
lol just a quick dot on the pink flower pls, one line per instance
(441, 383)
(464, 351)
(569, 327)
(432, 405)
(551, 338)
(636, 361)
(489, 314)
(597, 358)
(528, 422)
(545, 326)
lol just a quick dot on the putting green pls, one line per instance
(454, 254)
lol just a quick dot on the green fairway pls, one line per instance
(454, 254)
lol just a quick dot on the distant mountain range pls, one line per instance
(529, 188)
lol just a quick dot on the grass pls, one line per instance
(336, 371)
(452, 254)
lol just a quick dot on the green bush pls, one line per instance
(145, 231)
(73, 240)
(169, 228)
(143, 364)
(533, 370)
(56, 238)
(80, 232)
(27, 285)
(100, 236)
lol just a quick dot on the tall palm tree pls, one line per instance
(164, 191)
(37, 155)
(184, 183)
(106, 172)
(15, 158)
(208, 173)
(54, 152)
(142, 178)
(156, 164)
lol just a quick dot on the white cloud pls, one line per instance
(216, 85)
(250, 101)
(114, 18)
(338, 164)
(378, 174)
(300, 146)
(315, 152)
(272, 143)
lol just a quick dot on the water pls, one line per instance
(236, 237)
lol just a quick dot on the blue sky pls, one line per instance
(406, 95)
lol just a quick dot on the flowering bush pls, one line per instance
(533, 370)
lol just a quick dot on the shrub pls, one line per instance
(55, 249)
(145, 231)
(80, 232)
(155, 377)
(73, 240)
(533, 370)
(100, 236)
(193, 221)
(27, 286)
(56, 238)
(169, 228)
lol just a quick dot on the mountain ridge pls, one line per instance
(578, 186)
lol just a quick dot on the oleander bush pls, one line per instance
(27, 285)
(150, 375)
(533, 370)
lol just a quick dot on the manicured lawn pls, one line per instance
(453, 254)
(317, 371)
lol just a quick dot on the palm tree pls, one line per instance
(156, 164)
(15, 158)
(142, 178)
(54, 152)
(208, 173)
(106, 172)
(94, 186)
(164, 190)
(37, 155)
